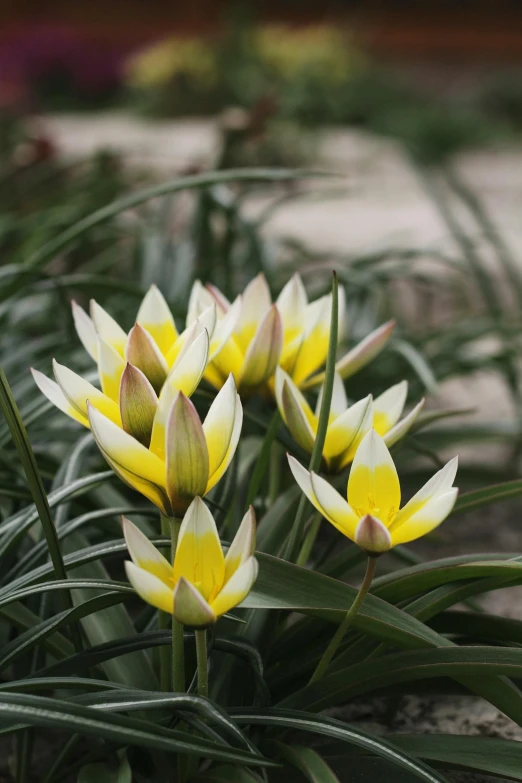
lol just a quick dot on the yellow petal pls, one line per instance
(232, 446)
(107, 328)
(439, 484)
(426, 519)
(388, 407)
(237, 588)
(264, 351)
(143, 353)
(243, 545)
(187, 455)
(86, 330)
(373, 486)
(150, 588)
(148, 489)
(402, 427)
(190, 364)
(291, 304)
(224, 329)
(330, 504)
(79, 391)
(155, 316)
(55, 395)
(190, 608)
(255, 305)
(199, 556)
(145, 555)
(138, 404)
(125, 451)
(110, 370)
(229, 360)
(314, 345)
(219, 424)
(347, 430)
(296, 420)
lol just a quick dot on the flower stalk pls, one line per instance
(346, 622)
(200, 636)
(178, 647)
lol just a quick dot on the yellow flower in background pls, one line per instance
(293, 333)
(347, 425)
(203, 583)
(168, 360)
(159, 64)
(372, 517)
(168, 455)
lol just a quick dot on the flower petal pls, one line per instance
(264, 351)
(243, 545)
(187, 455)
(124, 450)
(388, 407)
(237, 588)
(107, 328)
(86, 330)
(372, 536)
(190, 608)
(256, 304)
(426, 519)
(138, 404)
(55, 395)
(199, 556)
(335, 509)
(291, 303)
(402, 427)
(145, 555)
(282, 377)
(79, 391)
(346, 431)
(373, 486)
(314, 345)
(438, 484)
(296, 420)
(110, 369)
(224, 329)
(365, 351)
(143, 353)
(155, 316)
(232, 446)
(339, 399)
(219, 424)
(202, 297)
(150, 588)
(190, 365)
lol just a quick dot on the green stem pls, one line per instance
(178, 647)
(309, 541)
(296, 534)
(201, 655)
(345, 624)
(163, 624)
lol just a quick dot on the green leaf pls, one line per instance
(226, 774)
(487, 495)
(337, 730)
(74, 718)
(481, 754)
(307, 761)
(367, 677)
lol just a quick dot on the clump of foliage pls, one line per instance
(82, 654)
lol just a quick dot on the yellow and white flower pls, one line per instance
(153, 346)
(203, 583)
(347, 425)
(372, 516)
(163, 449)
(293, 333)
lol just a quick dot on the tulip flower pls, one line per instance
(372, 517)
(153, 346)
(347, 425)
(203, 583)
(292, 332)
(163, 449)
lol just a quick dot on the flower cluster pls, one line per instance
(152, 436)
